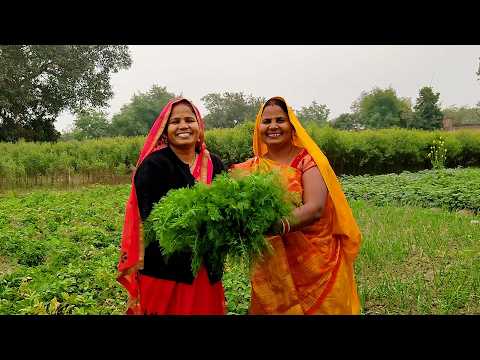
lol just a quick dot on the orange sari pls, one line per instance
(311, 270)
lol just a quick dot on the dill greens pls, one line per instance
(228, 217)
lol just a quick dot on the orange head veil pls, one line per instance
(345, 225)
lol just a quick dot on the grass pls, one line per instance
(417, 261)
(59, 250)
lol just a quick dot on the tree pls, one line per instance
(346, 122)
(428, 115)
(90, 124)
(230, 108)
(37, 82)
(381, 108)
(317, 113)
(137, 117)
(463, 115)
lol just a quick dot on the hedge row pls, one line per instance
(394, 150)
(26, 160)
(363, 152)
(350, 153)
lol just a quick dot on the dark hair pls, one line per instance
(282, 104)
(278, 102)
(183, 101)
(186, 102)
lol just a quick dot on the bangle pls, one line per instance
(288, 227)
(283, 227)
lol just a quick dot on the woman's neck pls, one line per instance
(282, 153)
(187, 154)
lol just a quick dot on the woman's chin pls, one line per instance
(274, 141)
(183, 143)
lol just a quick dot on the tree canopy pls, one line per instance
(37, 82)
(428, 115)
(230, 108)
(463, 114)
(91, 124)
(316, 113)
(137, 117)
(381, 108)
(346, 121)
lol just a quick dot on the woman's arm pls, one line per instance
(143, 188)
(314, 197)
(151, 184)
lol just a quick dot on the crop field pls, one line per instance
(420, 251)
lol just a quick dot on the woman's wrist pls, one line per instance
(281, 227)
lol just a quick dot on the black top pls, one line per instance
(160, 172)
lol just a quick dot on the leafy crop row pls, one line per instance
(452, 189)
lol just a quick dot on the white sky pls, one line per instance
(334, 75)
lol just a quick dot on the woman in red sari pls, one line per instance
(173, 156)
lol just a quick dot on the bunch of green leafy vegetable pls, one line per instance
(228, 217)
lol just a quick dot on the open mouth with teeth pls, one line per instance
(184, 135)
(274, 135)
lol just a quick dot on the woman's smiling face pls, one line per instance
(275, 127)
(183, 129)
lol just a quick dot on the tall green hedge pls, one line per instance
(232, 145)
(350, 153)
(29, 160)
(363, 152)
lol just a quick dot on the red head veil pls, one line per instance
(132, 250)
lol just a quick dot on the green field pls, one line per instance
(450, 189)
(59, 250)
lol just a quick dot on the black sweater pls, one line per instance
(159, 172)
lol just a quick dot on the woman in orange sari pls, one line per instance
(311, 268)
(173, 156)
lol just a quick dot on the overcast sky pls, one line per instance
(331, 75)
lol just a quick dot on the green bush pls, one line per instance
(362, 152)
(232, 145)
(351, 153)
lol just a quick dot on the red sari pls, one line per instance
(159, 296)
(149, 295)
